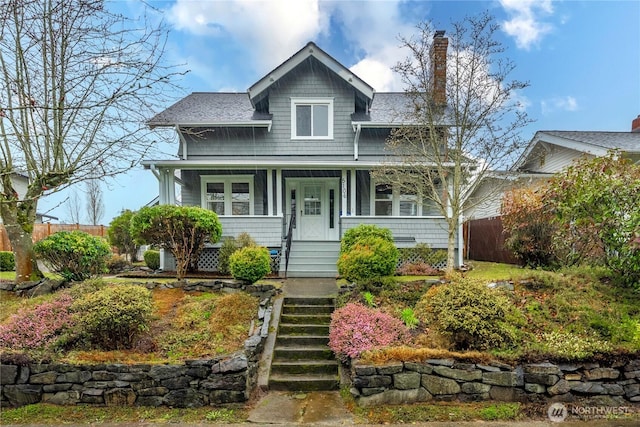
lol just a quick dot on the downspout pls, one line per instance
(356, 140)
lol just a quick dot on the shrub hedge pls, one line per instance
(7, 261)
(250, 264)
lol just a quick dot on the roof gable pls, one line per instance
(588, 142)
(259, 90)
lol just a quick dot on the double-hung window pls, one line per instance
(311, 118)
(228, 194)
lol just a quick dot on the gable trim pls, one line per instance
(310, 50)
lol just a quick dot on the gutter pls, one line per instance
(356, 140)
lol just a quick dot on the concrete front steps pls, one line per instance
(312, 259)
(302, 359)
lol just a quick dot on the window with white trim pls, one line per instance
(228, 194)
(311, 118)
(389, 200)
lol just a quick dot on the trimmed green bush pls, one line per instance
(152, 259)
(229, 246)
(361, 232)
(112, 318)
(7, 261)
(368, 258)
(75, 255)
(472, 315)
(250, 264)
(119, 233)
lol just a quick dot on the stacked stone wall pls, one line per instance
(446, 379)
(227, 379)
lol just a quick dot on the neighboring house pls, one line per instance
(20, 184)
(548, 153)
(290, 161)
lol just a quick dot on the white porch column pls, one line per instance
(352, 203)
(279, 192)
(270, 192)
(171, 187)
(343, 193)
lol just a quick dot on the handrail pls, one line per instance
(292, 222)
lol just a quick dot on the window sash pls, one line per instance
(228, 195)
(311, 118)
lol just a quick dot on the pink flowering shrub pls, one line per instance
(356, 328)
(37, 327)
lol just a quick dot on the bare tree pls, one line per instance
(463, 119)
(95, 201)
(77, 83)
(73, 207)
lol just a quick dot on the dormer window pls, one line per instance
(311, 118)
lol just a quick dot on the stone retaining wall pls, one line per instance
(446, 379)
(226, 379)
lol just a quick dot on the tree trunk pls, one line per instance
(451, 249)
(18, 218)
(26, 265)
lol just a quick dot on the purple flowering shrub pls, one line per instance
(38, 327)
(356, 328)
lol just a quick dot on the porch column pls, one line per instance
(343, 192)
(270, 192)
(171, 187)
(279, 192)
(352, 203)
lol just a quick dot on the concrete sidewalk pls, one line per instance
(317, 408)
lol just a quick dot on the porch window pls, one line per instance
(384, 200)
(392, 201)
(312, 118)
(228, 195)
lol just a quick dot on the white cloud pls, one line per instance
(559, 103)
(526, 23)
(272, 30)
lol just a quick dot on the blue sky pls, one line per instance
(581, 58)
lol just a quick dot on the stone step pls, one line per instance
(302, 353)
(306, 319)
(309, 367)
(309, 301)
(303, 382)
(301, 340)
(303, 329)
(307, 309)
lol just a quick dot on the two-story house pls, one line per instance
(290, 162)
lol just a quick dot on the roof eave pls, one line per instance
(239, 124)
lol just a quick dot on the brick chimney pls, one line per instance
(439, 68)
(635, 124)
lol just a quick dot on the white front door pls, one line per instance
(316, 207)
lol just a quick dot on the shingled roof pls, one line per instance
(220, 108)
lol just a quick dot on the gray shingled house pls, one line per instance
(289, 162)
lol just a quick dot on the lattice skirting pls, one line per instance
(413, 257)
(209, 259)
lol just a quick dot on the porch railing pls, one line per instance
(287, 251)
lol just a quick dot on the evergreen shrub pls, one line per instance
(468, 312)
(7, 261)
(369, 257)
(113, 317)
(152, 259)
(75, 255)
(362, 232)
(250, 264)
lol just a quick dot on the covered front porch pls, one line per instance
(309, 204)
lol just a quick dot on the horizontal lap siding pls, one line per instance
(432, 231)
(265, 230)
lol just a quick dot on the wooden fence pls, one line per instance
(40, 231)
(484, 241)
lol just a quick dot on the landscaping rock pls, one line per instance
(602, 373)
(504, 379)
(119, 397)
(458, 374)
(44, 378)
(406, 381)
(185, 398)
(225, 382)
(372, 381)
(23, 394)
(475, 388)
(421, 368)
(361, 370)
(222, 397)
(534, 388)
(394, 397)
(390, 369)
(164, 372)
(561, 387)
(439, 386)
(366, 391)
(74, 377)
(62, 398)
(442, 362)
(9, 374)
(544, 379)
